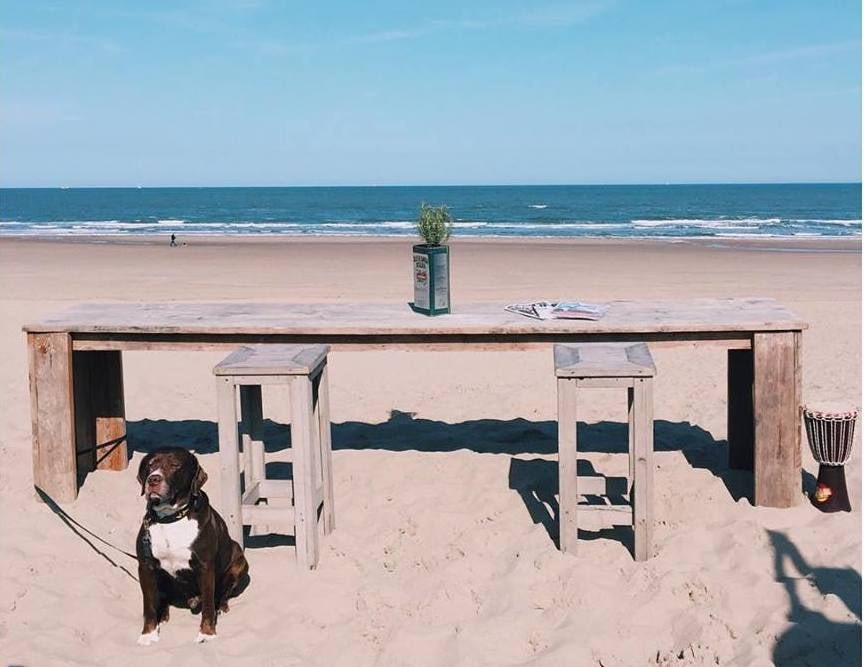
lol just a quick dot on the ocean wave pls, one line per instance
(669, 228)
(846, 223)
(724, 220)
(389, 224)
(255, 225)
(702, 222)
(558, 225)
(541, 206)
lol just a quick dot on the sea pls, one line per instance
(657, 211)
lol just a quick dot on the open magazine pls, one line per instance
(560, 310)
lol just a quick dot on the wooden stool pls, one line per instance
(304, 369)
(607, 365)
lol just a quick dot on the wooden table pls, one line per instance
(76, 371)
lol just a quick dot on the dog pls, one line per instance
(185, 555)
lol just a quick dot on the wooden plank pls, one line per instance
(143, 342)
(323, 414)
(631, 439)
(229, 458)
(265, 515)
(265, 489)
(776, 404)
(711, 315)
(306, 512)
(276, 488)
(739, 409)
(603, 383)
(603, 360)
(52, 415)
(251, 494)
(273, 360)
(315, 458)
(568, 490)
(643, 486)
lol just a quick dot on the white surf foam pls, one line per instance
(706, 223)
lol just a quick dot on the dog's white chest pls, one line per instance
(171, 543)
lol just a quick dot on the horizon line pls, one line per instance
(420, 185)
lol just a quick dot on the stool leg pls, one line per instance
(329, 516)
(631, 444)
(305, 511)
(252, 418)
(229, 458)
(643, 496)
(568, 500)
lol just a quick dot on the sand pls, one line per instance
(445, 473)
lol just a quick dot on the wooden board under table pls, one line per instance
(76, 383)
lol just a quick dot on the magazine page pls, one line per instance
(578, 310)
(548, 310)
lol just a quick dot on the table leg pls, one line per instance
(776, 405)
(100, 415)
(52, 415)
(739, 409)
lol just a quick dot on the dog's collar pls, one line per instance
(173, 516)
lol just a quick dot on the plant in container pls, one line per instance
(432, 261)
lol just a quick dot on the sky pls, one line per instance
(258, 92)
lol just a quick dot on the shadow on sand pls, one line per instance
(535, 480)
(812, 639)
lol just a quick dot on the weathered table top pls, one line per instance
(377, 319)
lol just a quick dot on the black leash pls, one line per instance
(74, 525)
(152, 516)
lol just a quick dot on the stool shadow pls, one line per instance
(536, 482)
(266, 541)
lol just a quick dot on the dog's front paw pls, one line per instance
(148, 638)
(201, 638)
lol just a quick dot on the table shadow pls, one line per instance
(515, 437)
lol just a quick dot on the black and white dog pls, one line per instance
(185, 555)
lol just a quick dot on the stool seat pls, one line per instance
(604, 360)
(273, 360)
(606, 365)
(303, 368)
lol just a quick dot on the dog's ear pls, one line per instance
(142, 471)
(198, 482)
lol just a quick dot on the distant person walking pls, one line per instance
(173, 243)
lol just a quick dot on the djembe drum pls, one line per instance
(830, 435)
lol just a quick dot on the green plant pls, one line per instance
(435, 224)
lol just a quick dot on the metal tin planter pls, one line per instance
(431, 279)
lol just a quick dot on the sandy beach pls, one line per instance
(445, 474)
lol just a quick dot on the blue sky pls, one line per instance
(221, 92)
